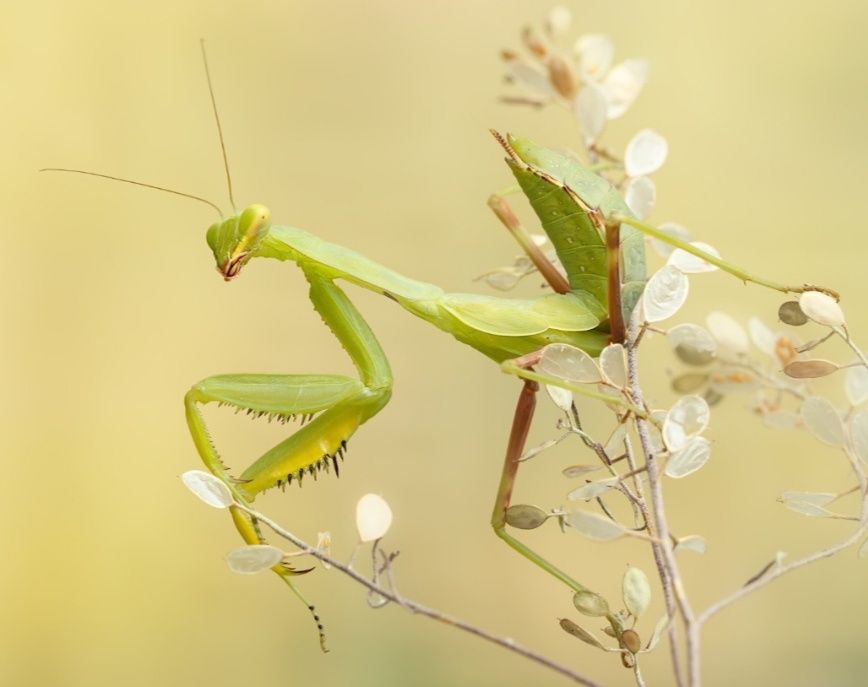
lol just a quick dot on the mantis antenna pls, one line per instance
(217, 120)
(163, 188)
(135, 183)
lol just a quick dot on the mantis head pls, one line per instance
(233, 241)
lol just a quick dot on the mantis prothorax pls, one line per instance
(598, 242)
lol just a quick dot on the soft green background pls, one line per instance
(366, 123)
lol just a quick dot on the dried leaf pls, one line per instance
(657, 418)
(856, 385)
(209, 488)
(615, 443)
(531, 452)
(373, 517)
(525, 517)
(562, 398)
(569, 363)
(692, 344)
(665, 293)
(692, 542)
(646, 152)
(613, 364)
(859, 434)
(622, 85)
(249, 560)
(689, 459)
(579, 470)
(689, 382)
(730, 379)
(595, 527)
(503, 279)
(810, 369)
(637, 592)
(592, 490)
(659, 629)
(821, 308)
(729, 333)
(590, 603)
(688, 417)
(530, 77)
(823, 421)
(812, 497)
(807, 508)
(595, 53)
(589, 107)
(640, 195)
(762, 337)
(569, 626)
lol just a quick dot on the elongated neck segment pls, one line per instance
(310, 252)
(499, 328)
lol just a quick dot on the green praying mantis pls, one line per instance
(598, 241)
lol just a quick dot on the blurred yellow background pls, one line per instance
(367, 124)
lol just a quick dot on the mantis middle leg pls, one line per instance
(521, 423)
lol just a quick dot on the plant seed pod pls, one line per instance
(562, 77)
(590, 603)
(525, 517)
(821, 308)
(631, 641)
(810, 369)
(533, 43)
(790, 313)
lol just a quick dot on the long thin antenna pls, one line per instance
(219, 128)
(135, 183)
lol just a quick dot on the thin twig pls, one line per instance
(506, 642)
(774, 572)
(663, 572)
(672, 573)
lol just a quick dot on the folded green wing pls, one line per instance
(562, 193)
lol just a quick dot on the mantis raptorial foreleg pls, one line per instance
(341, 404)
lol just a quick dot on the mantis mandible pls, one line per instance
(598, 241)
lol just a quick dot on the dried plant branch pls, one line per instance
(773, 572)
(662, 570)
(670, 575)
(416, 608)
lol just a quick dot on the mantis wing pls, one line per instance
(571, 203)
(573, 312)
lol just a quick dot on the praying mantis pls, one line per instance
(598, 241)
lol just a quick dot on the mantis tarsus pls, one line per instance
(597, 240)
